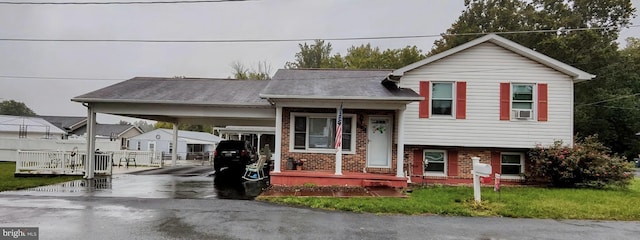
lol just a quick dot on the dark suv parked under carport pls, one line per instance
(233, 155)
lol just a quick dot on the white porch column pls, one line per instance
(258, 147)
(400, 148)
(278, 147)
(174, 154)
(91, 143)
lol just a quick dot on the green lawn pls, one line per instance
(9, 182)
(520, 202)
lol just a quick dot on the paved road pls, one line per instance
(186, 208)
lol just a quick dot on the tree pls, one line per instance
(143, 125)
(261, 72)
(593, 50)
(316, 55)
(367, 57)
(11, 107)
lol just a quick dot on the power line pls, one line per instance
(122, 2)
(609, 99)
(292, 39)
(61, 78)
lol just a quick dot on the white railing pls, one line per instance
(142, 158)
(59, 162)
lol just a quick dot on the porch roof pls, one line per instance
(335, 84)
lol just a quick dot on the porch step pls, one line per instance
(376, 183)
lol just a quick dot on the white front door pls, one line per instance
(379, 146)
(152, 148)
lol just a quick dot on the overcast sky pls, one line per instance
(88, 62)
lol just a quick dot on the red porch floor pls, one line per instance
(328, 178)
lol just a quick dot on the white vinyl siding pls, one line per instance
(484, 67)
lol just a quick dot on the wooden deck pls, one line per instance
(328, 178)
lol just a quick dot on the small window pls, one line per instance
(522, 100)
(512, 163)
(435, 162)
(442, 98)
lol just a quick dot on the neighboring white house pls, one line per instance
(28, 127)
(191, 145)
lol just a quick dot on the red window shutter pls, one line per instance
(453, 163)
(495, 163)
(461, 100)
(418, 169)
(505, 101)
(424, 104)
(543, 105)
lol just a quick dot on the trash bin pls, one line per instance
(290, 164)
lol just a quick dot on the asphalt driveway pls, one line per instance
(186, 207)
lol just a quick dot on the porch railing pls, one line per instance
(142, 158)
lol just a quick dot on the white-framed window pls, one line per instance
(522, 100)
(511, 164)
(312, 132)
(435, 162)
(442, 103)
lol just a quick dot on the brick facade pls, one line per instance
(459, 164)
(326, 161)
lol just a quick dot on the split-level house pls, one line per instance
(490, 98)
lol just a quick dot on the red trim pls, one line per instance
(495, 163)
(453, 163)
(461, 100)
(505, 101)
(543, 104)
(424, 104)
(418, 168)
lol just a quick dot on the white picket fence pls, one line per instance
(68, 163)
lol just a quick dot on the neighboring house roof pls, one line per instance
(108, 129)
(577, 74)
(10, 123)
(65, 122)
(192, 91)
(335, 84)
(188, 136)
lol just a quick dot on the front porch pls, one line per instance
(328, 178)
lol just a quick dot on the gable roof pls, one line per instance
(192, 91)
(65, 122)
(10, 123)
(577, 74)
(108, 129)
(335, 84)
(184, 135)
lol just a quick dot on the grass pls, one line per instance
(8, 182)
(518, 202)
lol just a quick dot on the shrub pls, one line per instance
(587, 164)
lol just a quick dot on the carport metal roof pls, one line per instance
(185, 100)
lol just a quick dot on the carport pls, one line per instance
(219, 102)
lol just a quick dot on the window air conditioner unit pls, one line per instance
(523, 114)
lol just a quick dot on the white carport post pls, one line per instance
(91, 143)
(174, 154)
(276, 155)
(400, 148)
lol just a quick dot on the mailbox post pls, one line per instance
(479, 169)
